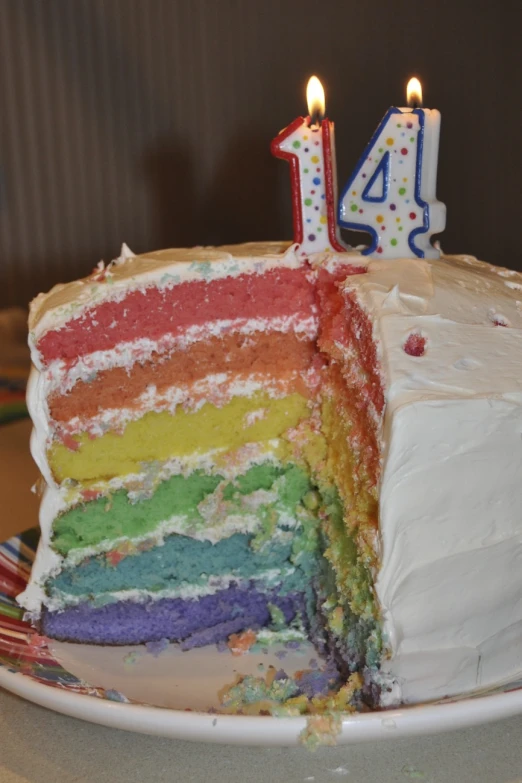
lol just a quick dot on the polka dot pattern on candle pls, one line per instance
(386, 182)
(306, 144)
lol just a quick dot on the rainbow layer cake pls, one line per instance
(241, 439)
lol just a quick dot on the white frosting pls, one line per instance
(450, 582)
(36, 397)
(47, 562)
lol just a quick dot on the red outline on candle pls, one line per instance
(295, 180)
(330, 183)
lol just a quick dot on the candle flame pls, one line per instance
(414, 93)
(315, 100)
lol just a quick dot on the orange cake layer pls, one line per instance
(271, 354)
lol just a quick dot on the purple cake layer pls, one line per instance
(192, 623)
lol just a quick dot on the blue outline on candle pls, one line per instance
(418, 176)
(384, 168)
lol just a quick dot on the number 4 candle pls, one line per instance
(391, 194)
(308, 144)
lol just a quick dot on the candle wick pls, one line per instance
(315, 121)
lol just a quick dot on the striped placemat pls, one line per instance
(22, 649)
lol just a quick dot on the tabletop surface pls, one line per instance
(40, 746)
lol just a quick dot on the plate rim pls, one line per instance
(406, 721)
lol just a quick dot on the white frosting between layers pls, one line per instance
(213, 531)
(450, 583)
(163, 268)
(218, 389)
(58, 376)
(61, 377)
(215, 583)
(55, 500)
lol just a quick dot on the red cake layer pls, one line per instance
(152, 312)
(270, 354)
(344, 325)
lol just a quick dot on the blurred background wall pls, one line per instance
(149, 121)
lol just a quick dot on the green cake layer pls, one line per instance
(279, 488)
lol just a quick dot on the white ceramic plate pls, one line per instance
(240, 730)
(175, 694)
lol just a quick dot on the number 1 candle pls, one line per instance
(391, 194)
(308, 144)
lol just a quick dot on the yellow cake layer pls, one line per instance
(350, 551)
(162, 436)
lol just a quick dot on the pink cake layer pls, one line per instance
(153, 312)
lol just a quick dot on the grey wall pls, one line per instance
(149, 121)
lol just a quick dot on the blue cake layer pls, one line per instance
(179, 562)
(193, 623)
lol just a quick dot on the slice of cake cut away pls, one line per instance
(241, 439)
